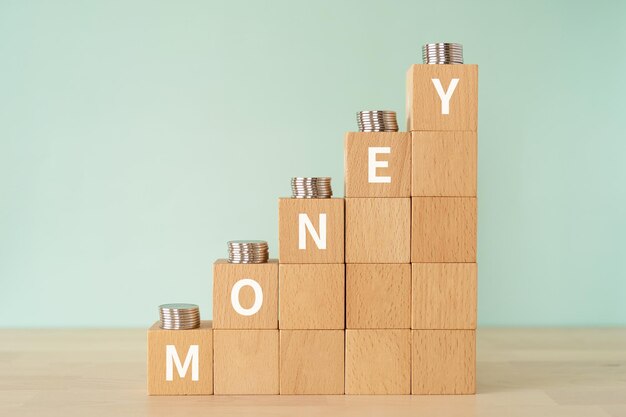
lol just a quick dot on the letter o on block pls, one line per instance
(258, 297)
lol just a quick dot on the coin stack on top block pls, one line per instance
(442, 114)
(248, 252)
(179, 316)
(245, 319)
(377, 290)
(378, 230)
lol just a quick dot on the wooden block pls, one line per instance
(378, 361)
(378, 230)
(180, 362)
(378, 296)
(444, 362)
(444, 164)
(377, 164)
(444, 229)
(247, 314)
(311, 230)
(312, 361)
(312, 296)
(246, 362)
(426, 110)
(444, 296)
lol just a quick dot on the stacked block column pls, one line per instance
(245, 323)
(311, 295)
(378, 270)
(442, 102)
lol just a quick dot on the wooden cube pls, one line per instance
(444, 296)
(245, 296)
(435, 101)
(378, 230)
(180, 362)
(312, 361)
(444, 164)
(444, 362)
(444, 229)
(377, 164)
(312, 296)
(311, 230)
(378, 296)
(246, 361)
(378, 361)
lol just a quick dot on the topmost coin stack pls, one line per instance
(376, 292)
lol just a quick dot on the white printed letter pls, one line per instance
(373, 163)
(258, 297)
(171, 359)
(304, 223)
(445, 96)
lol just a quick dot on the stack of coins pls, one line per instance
(248, 252)
(377, 121)
(442, 53)
(179, 316)
(311, 187)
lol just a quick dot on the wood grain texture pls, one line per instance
(378, 361)
(444, 229)
(378, 230)
(356, 165)
(225, 275)
(547, 372)
(312, 296)
(424, 110)
(444, 164)
(312, 361)
(246, 361)
(444, 296)
(378, 296)
(288, 230)
(444, 362)
(158, 339)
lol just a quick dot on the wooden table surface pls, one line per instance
(547, 372)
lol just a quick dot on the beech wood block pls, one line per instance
(312, 296)
(378, 361)
(444, 296)
(312, 361)
(378, 296)
(444, 164)
(311, 230)
(444, 362)
(180, 362)
(453, 107)
(377, 164)
(444, 229)
(246, 362)
(378, 230)
(242, 312)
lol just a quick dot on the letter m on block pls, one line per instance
(172, 359)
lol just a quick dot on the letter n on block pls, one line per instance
(180, 362)
(377, 164)
(311, 230)
(245, 296)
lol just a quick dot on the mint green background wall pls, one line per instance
(136, 138)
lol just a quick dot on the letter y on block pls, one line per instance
(445, 95)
